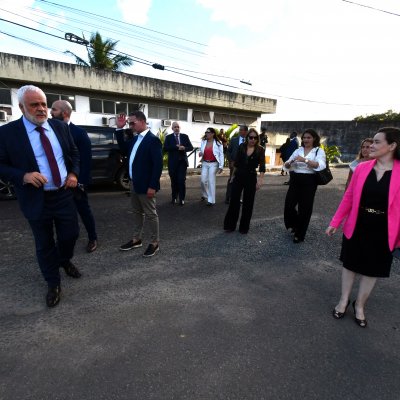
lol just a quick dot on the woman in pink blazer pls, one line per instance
(370, 210)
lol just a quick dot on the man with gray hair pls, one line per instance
(62, 110)
(40, 158)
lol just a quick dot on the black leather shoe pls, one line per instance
(296, 239)
(53, 296)
(337, 314)
(360, 322)
(91, 246)
(71, 270)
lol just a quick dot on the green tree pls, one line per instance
(388, 116)
(161, 135)
(331, 152)
(229, 133)
(102, 55)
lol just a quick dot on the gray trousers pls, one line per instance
(144, 209)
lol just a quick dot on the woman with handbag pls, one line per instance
(370, 209)
(303, 165)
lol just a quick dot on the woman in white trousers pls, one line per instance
(212, 153)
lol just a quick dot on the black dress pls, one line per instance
(367, 251)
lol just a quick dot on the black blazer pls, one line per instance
(175, 155)
(233, 149)
(148, 163)
(82, 142)
(17, 159)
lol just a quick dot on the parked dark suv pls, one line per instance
(108, 164)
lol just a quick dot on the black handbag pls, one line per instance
(324, 176)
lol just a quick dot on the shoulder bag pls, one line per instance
(324, 176)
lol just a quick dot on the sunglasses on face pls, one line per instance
(252, 137)
(209, 132)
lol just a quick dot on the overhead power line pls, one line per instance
(372, 8)
(170, 69)
(122, 22)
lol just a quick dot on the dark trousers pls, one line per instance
(301, 194)
(85, 212)
(178, 180)
(59, 212)
(247, 184)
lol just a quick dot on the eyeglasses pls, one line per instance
(252, 137)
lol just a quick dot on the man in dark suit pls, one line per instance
(40, 158)
(62, 110)
(177, 144)
(231, 156)
(145, 166)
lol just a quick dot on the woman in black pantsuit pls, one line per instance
(244, 179)
(303, 163)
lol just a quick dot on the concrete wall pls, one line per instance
(39, 71)
(345, 134)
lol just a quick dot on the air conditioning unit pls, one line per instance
(104, 121)
(3, 115)
(166, 122)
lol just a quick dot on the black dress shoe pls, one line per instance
(360, 322)
(337, 314)
(71, 270)
(53, 296)
(296, 239)
(91, 246)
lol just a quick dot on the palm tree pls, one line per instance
(102, 55)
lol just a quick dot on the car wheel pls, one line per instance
(122, 179)
(7, 191)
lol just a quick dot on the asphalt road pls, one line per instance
(211, 316)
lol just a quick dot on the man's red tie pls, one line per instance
(55, 172)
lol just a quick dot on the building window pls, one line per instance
(52, 97)
(229, 119)
(163, 112)
(133, 107)
(96, 105)
(5, 96)
(108, 107)
(112, 107)
(201, 116)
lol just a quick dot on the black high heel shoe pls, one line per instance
(337, 314)
(360, 322)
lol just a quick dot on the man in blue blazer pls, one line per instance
(177, 144)
(231, 153)
(62, 110)
(145, 166)
(40, 158)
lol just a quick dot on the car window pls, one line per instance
(101, 138)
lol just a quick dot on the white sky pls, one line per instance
(324, 50)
